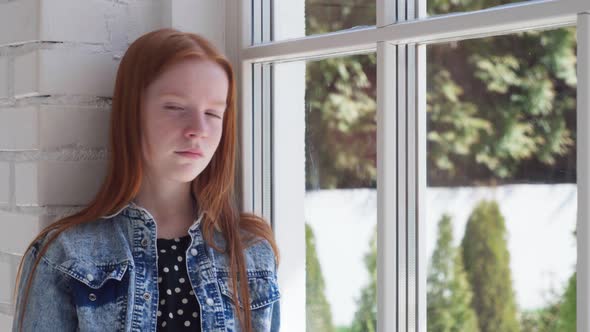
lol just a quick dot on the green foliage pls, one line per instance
(492, 103)
(540, 320)
(341, 124)
(487, 263)
(449, 293)
(365, 318)
(567, 312)
(318, 314)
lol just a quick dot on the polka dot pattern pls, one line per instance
(178, 309)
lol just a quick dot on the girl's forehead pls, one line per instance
(185, 79)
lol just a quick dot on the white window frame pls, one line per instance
(400, 37)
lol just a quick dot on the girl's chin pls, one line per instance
(185, 175)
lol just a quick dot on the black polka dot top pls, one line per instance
(178, 309)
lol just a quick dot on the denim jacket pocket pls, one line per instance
(264, 289)
(99, 292)
(264, 295)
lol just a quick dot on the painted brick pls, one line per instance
(64, 72)
(60, 126)
(4, 78)
(19, 128)
(4, 182)
(75, 20)
(206, 17)
(26, 183)
(144, 16)
(6, 322)
(74, 72)
(21, 229)
(20, 21)
(26, 74)
(71, 183)
(7, 280)
(58, 182)
(56, 20)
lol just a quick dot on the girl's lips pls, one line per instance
(190, 155)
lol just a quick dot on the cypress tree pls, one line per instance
(318, 313)
(567, 311)
(487, 263)
(365, 318)
(449, 294)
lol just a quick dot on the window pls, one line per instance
(465, 97)
(501, 173)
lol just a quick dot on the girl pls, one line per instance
(162, 246)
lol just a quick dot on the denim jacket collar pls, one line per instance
(133, 209)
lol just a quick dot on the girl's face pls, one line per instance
(183, 109)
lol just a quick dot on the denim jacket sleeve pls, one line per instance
(49, 306)
(275, 324)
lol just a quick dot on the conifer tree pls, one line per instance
(487, 263)
(318, 313)
(449, 294)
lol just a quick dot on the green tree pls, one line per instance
(448, 291)
(498, 108)
(541, 320)
(487, 263)
(493, 109)
(365, 318)
(567, 312)
(318, 313)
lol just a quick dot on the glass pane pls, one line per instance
(300, 18)
(436, 7)
(338, 113)
(501, 196)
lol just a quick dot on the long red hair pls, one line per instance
(146, 58)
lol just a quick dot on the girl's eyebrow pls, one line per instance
(220, 103)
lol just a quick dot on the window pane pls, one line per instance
(501, 196)
(452, 6)
(300, 18)
(337, 109)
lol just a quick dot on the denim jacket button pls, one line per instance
(144, 242)
(147, 296)
(89, 277)
(194, 252)
(210, 301)
(92, 297)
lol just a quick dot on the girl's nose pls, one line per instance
(196, 125)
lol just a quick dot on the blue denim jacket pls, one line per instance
(103, 276)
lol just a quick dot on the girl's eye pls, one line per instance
(176, 108)
(214, 115)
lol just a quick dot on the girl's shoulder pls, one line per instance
(258, 254)
(97, 242)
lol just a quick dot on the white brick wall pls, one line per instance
(74, 72)
(19, 128)
(27, 182)
(60, 126)
(26, 72)
(4, 77)
(63, 20)
(56, 20)
(23, 16)
(58, 61)
(4, 183)
(23, 228)
(43, 183)
(62, 71)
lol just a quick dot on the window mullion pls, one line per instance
(387, 242)
(420, 185)
(583, 174)
(386, 188)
